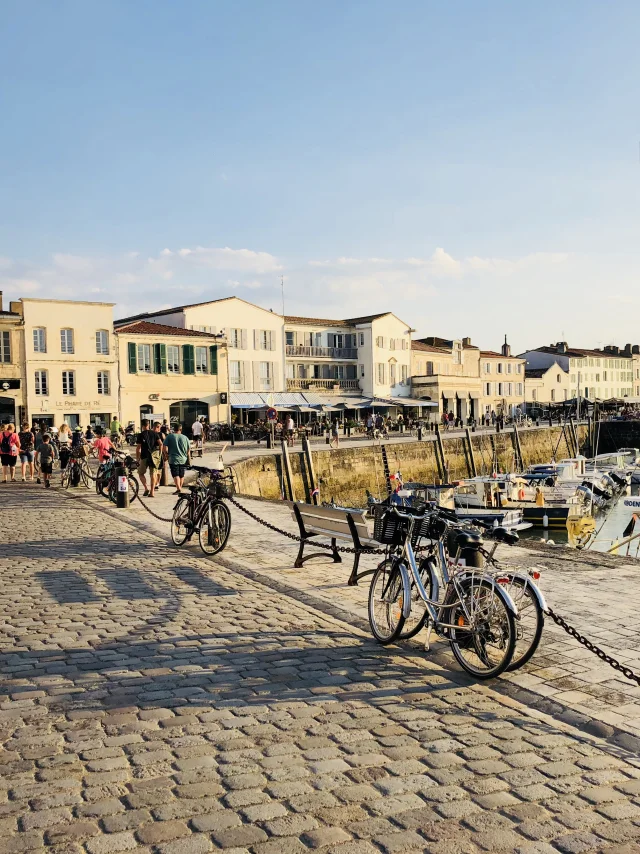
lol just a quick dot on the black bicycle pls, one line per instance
(203, 511)
(107, 479)
(76, 471)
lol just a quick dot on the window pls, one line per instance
(487, 367)
(405, 344)
(5, 347)
(487, 389)
(509, 389)
(499, 367)
(42, 383)
(534, 394)
(379, 341)
(66, 340)
(238, 338)
(289, 339)
(553, 394)
(597, 378)
(404, 373)
(68, 382)
(173, 359)
(40, 340)
(235, 375)
(362, 339)
(519, 389)
(573, 378)
(392, 343)
(361, 370)
(144, 358)
(380, 373)
(392, 373)
(103, 382)
(457, 353)
(566, 394)
(201, 360)
(265, 374)
(500, 389)
(263, 339)
(102, 342)
(429, 369)
(519, 368)
(509, 367)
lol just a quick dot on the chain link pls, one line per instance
(150, 511)
(608, 659)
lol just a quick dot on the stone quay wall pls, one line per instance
(345, 474)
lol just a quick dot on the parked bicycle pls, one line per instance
(107, 479)
(475, 614)
(76, 471)
(203, 511)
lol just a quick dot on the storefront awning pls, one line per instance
(246, 400)
(474, 395)
(448, 393)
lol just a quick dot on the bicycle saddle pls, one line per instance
(468, 540)
(509, 538)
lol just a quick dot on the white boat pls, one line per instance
(445, 495)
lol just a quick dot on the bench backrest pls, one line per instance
(333, 520)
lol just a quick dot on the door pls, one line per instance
(7, 410)
(186, 412)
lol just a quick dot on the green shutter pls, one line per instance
(213, 359)
(160, 358)
(133, 358)
(188, 359)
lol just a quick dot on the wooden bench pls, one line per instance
(337, 524)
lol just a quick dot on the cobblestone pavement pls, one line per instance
(563, 677)
(158, 700)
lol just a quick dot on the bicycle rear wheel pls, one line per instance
(214, 528)
(387, 593)
(180, 523)
(85, 473)
(485, 635)
(65, 479)
(529, 622)
(416, 620)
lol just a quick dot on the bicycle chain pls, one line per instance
(602, 655)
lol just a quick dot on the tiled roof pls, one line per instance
(428, 348)
(535, 373)
(580, 353)
(445, 343)
(491, 354)
(143, 327)
(323, 321)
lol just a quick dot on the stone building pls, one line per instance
(502, 377)
(545, 387)
(12, 378)
(447, 372)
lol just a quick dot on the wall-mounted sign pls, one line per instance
(223, 397)
(154, 397)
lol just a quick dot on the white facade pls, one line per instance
(368, 356)
(601, 374)
(255, 338)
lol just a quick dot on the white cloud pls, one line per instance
(441, 263)
(73, 263)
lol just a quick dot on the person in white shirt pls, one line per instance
(196, 432)
(290, 429)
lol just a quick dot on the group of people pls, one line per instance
(155, 444)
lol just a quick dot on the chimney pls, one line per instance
(466, 342)
(627, 350)
(561, 346)
(636, 350)
(611, 349)
(0, 300)
(506, 349)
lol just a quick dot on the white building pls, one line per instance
(254, 338)
(600, 374)
(361, 356)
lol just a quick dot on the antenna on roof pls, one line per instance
(282, 287)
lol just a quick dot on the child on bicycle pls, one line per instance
(47, 454)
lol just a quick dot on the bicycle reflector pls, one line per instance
(535, 574)
(503, 580)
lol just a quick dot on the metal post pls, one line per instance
(164, 477)
(286, 464)
(122, 495)
(419, 434)
(472, 460)
(269, 442)
(306, 448)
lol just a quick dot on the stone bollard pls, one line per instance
(419, 434)
(122, 494)
(269, 443)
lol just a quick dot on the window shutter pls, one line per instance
(272, 340)
(256, 339)
(159, 359)
(188, 359)
(331, 340)
(256, 376)
(213, 359)
(163, 358)
(246, 374)
(243, 339)
(133, 358)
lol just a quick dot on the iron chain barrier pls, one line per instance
(627, 672)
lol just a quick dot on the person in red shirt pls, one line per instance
(9, 450)
(103, 445)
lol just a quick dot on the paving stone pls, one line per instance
(161, 831)
(113, 842)
(239, 837)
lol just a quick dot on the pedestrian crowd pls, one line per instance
(36, 448)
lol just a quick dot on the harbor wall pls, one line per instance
(617, 434)
(345, 474)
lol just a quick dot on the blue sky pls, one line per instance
(473, 167)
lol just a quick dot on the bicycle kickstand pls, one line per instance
(427, 645)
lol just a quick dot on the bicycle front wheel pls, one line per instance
(484, 635)
(85, 473)
(65, 478)
(529, 622)
(180, 522)
(387, 593)
(214, 528)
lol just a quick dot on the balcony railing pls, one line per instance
(300, 350)
(299, 384)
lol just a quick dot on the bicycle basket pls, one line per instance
(433, 527)
(388, 529)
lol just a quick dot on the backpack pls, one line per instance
(5, 444)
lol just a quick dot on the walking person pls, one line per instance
(164, 428)
(47, 454)
(9, 450)
(177, 450)
(27, 451)
(64, 445)
(290, 428)
(103, 445)
(197, 430)
(335, 434)
(149, 456)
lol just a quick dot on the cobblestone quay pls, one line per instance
(156, 700)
